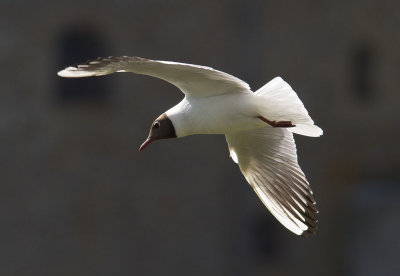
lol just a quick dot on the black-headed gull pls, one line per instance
(258, 127)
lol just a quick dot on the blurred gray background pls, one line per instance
(76, 197)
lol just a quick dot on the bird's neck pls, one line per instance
(179, 118)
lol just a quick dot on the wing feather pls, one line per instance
(267, 158)
(192, 80)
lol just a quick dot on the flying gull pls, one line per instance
(258, 127)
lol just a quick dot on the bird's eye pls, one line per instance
(156, 125)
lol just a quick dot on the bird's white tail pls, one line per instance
(279, 102)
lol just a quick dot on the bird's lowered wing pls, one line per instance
(193, 80)
(268, 160)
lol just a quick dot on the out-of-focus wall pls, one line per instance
(76, 198)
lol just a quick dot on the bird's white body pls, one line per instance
(218, 103)
(219, 114)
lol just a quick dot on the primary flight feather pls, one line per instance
(258, 127)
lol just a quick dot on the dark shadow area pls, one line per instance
(363, 60)
(74, 46)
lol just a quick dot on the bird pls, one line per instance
(258, 127)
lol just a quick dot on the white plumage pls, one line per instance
(258, 127)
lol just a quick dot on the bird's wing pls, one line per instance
(268, 160)
(193, 80)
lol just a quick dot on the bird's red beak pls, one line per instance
(145, 144)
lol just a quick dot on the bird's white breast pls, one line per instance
(215, 115)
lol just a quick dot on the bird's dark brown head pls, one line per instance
(161, 128)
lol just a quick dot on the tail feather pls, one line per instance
(281, 103)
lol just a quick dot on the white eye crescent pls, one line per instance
(156, 125)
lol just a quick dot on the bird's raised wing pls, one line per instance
(268, 160)
(193, 80)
